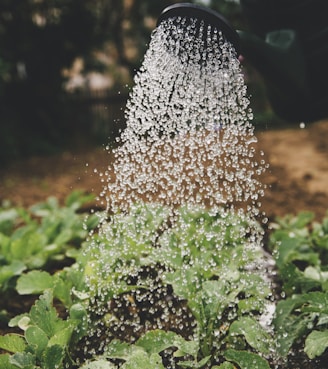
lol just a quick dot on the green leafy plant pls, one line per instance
(31, 239)
(151, 287)
(47, 337)
(301, 249)
(205, 259)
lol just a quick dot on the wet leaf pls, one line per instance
(24, 360)
(246, 360)
(37, 339)
(34, 282)
(12, 343)
(316, 343)
(53, 357)
(5, 362)
(254, 334)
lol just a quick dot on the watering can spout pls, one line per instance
(289, 50)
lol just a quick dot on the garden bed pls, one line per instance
(296, 182)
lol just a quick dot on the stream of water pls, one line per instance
(189, 137)
(189, 142)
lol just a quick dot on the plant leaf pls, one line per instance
(24, 360)
(316, 343)
(44, 315)
(36, 338)
(140, 360)
(156, 341)
(254, 334)
(53, 357)
(225, 365)
(5, 362)
(98, 364)
(246, 360)
(12, 343)
(16, 267)
(34, 282)
(62, 337)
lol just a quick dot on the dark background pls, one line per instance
(40, 40)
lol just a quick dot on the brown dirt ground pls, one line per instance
(297, 177)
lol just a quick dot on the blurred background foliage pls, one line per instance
(54, 52)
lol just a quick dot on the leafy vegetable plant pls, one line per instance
(31, 239)
(154, 289)
(205, 259)
(301, 249)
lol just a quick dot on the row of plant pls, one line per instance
(156, 290)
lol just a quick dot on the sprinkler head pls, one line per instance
(201, 13)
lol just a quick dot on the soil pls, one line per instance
(297, 178)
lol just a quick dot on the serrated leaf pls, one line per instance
(316, 343)
(53, 357)
(5, 362)
(34, 282)
(246, 360)
(12, 343)
(62, 337)
(44, 315)
(24, 360)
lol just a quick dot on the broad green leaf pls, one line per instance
(140, 360)
(23, 360)
(195, 365)
(157, 341)
(62, 337)
(28, 248)
(12, 343)
(44, 315)
(53, 357)
(5, 362)
(15, 268)
(316, 343)
(5, 247)
(121, 350)
(316, 302)
(246, 360)
(290, 327)
(225, 365)
(63, 237)
(254, 334)
(62, 288)
(77, 198)
(8, 215)
(37, 339)
(322, 319)
(34, 282)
